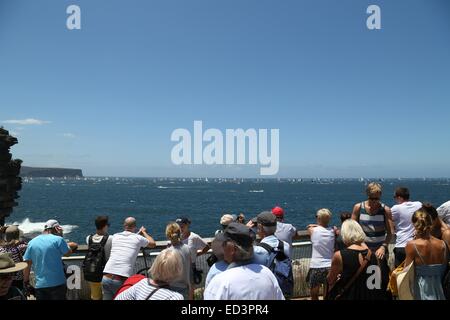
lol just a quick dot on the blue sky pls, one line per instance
(349, 102)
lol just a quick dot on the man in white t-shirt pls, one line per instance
(243, 279)
(195, 243)
(124, 251)
(444, 212)
(402, 214)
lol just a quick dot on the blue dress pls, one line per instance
(429, 277)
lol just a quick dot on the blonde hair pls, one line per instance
(422, 222)
(324, 215)
(173, 232)
(352, 233)
(167, 267)
(373, 188)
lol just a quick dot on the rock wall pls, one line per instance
(10, 182)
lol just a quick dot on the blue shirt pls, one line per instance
(261, 255)
(216, 268)
(45, 252)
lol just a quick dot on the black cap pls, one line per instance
(237, 232)
(267, 218)
(183, 220)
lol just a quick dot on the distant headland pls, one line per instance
(50, 172)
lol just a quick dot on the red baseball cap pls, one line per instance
(278, 211)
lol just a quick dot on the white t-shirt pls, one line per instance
(124, 251)
(97, 239)
(195, 243)
(401, 216)
(322, 247)
(444, 212)
(248, 282)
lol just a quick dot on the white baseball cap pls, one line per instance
(52, 223)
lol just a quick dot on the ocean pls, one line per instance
(155, 201)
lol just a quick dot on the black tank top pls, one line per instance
(361, 288)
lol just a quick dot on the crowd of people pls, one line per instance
(249, 260)
(352, 263)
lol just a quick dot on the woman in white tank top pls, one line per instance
(322, 238)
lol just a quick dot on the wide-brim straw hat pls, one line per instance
(7, 264)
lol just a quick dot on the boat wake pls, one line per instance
(33, 228)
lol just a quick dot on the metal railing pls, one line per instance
(301, 256)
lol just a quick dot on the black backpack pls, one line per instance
(281, 266)
(95, 260)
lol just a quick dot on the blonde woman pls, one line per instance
(375, 219)
(354, 273)
(184, 284)
(323, 239)
(429, 255)
(166, 268)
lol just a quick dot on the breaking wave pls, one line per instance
(31, 228)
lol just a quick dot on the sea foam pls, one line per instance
(29, 228)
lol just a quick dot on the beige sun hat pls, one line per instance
(7, 264)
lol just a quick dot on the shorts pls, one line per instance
(96, 290)
(317, 276)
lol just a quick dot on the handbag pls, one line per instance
(338, 289)
(401, 281)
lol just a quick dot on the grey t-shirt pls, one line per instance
(185, 281)
(285, 232)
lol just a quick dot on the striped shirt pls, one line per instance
(143, 289)
(374, 226)
(17, 252)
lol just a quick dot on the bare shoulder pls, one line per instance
(410, 246)
(446, 235)
(437, 243)
(356, 210)
(337, 257)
